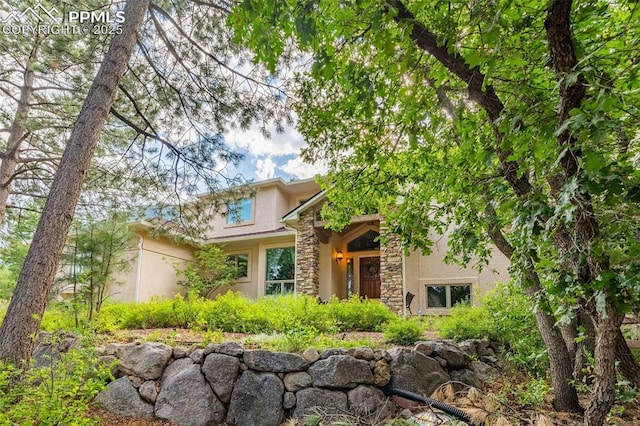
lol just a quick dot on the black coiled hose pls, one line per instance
(449, 409)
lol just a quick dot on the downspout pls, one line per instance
(139, 267)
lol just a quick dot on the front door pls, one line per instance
(370, 277)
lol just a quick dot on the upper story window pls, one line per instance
(240, 211)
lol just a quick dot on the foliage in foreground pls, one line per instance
(212, 268)
(506, 316)
(58, 394)
(231, 312)
(403, 332)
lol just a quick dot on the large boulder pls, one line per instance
(341, 371)
(415, 372)
(121, 397)
(371, 403)
(455, 357)
(186, 398)
(276, 362)
(49, 346)
(485, 372)
(299, 380)
(146, 360)
(221, 372)
(319, 401)
(256, 400)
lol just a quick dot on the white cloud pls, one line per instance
(265, 168)
(296, 167)
(253, 140)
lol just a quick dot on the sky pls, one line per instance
(277, 156)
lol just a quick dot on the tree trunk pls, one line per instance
(22, 321)
(627, 364)
(603, 394)
(17, 132)
(561, 364)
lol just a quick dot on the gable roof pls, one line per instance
(294, 215)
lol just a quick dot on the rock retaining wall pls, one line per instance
(226, 384)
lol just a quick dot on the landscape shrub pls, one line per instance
(356, 314)
(234, 313)
(403, 332)
(505, 315)
(56, 395)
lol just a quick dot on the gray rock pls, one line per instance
(110, 360)
(180, 353)
(197, 356)
(331, 352)
(475, 348)
(319, 401)
(381, 373)
(370, 403)
(186, 398)
(299, 380)
(122, 398)
(111, 349)
(468, 377)
(311, 355)
(136, 381)
(289, 400)
(49, 346)
(256, 400)
(362, 352)
(145, 360)
(455, 357)
(341, 371)
(149, 391)
(230, 348)
(221, 371)
(485, 372)
(415, 372)
(276, 362)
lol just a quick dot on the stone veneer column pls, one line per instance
(391, 271)
(307, 256)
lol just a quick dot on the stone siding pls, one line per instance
(307, 256)
(391, 270)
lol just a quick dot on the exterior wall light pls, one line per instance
(339, 256)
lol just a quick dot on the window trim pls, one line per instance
(249, 254)
(262, 278)
(251, 219)
(472, 282)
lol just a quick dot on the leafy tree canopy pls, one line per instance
(511, 122)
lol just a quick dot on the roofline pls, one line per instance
(261, 184)
(294, 215)
(248, 237)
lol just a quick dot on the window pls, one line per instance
(241, 262)
(239, 211)
(446, 296)
(367, 241)
(280, 273)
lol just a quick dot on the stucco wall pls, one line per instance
(154, 275)
(432, 270)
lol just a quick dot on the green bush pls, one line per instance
(56, 395)
(355, 314)
(403, 332)
(232, 312)
(506, 315)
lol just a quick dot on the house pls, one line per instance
(280, 244)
